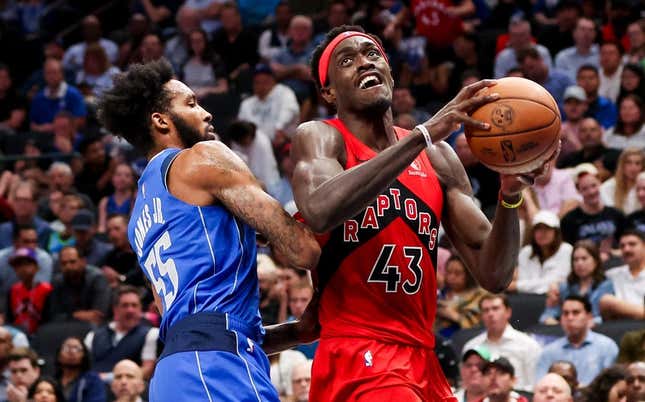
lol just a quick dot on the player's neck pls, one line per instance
(377, 133)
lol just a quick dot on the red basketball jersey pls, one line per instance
(377, 270)
(432, 21)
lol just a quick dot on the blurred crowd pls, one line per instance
(77, 318)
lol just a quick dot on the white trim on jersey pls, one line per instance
(237, 350)
(201, 376)
(237, 271)
(210, 248)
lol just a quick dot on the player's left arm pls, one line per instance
(213, 167)
(488, 250)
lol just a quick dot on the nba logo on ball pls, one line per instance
(502, 116)
(507, 150)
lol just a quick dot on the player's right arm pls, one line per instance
(209, 172)
(327, 195)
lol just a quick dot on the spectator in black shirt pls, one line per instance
(13, 107)
(120, 264)
(80, 291)
(95, 179)
(593, 150)
(237, 46)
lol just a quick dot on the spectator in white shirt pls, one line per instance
(502, 339)
(611, 70)
(628, 280)
(546, 260)
(619, 191)
(73, 58)
(274, 39)
(254, 147)
(473, 381)
(273, 107)
(519, 37)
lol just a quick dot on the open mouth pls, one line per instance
(369, 81)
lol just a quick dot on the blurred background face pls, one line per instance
(402, 101)
(636, 35)
(609, 57)
(534, 69)
(589, 189)
(45, 393)
(5, 80)
(618, 393)
(584, 33)
(574, 319)
(71, 353)
(301, 382)
(94, 153)
(262, 85)
(631, 249)
(495, 314)
(197, 42)
(27, 238)
(583, 263)
(543, 235)
(455, 276)
(23, 203)
(589, 132)
(472, 376)
(635, 382)
(117, 231)
(501, 383)
(629, 111)
(69, 207)
(128, 311)
(589, 81)
(552, 388)
(128, 380)
(519, 35)
(123, 179)
(300, 30)
(72, 265)
(574, 109)
(337, 15)
(282, 15)
(632, 167)
(53, 72)
(298, 300)
(629, 80)
(230, 19)
(23, 373)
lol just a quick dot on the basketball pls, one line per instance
(524, 127)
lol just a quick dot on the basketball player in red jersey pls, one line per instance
(377, 194)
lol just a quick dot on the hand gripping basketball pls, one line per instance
(458, 110)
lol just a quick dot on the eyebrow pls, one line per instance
(352, 50)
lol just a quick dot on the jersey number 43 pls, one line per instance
(390, 275)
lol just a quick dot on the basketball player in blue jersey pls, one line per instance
(193, 227)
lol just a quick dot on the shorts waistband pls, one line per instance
(207, 330)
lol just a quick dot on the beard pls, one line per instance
(188, 134)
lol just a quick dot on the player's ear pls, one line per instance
(160, 122)
(329, 94)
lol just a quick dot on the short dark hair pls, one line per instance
(582, 299)
(531, 52)
(86, 363)
(633, 232)
(19, 227)
(493, 296)
(318, 51)
(587, 67)
(58, 392)
(126, 108)
(17, 354)
(615, 43)
(87, 141)
(126, 218)
(239, 129)
(124, 290)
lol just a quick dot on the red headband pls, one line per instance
(323, 64)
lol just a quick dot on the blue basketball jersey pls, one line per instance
(196, 258)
